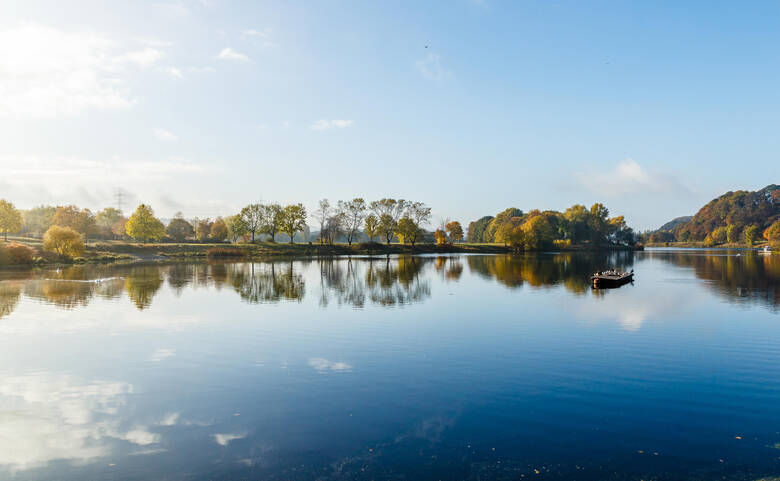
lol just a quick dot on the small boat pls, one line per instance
(611, 278)
(765, 250)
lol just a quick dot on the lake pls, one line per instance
(427, 367)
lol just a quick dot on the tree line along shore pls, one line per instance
(47, 234)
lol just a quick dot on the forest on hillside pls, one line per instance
(735, 217)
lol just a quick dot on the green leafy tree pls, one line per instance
(732, 233)
(538, 231)
(719, 235)
(219, 230)
(371, 227)
(598, 223)
(500, 218)
(272, 220)
(751, 234)
(293, 220)
(143, 225)
(477, 229)
(63, 241)
(389, 212)
(179, 229)
(11, 220)
(387, 227)
(236, 227)
(408, 230)
(252, 217)
(577, 227)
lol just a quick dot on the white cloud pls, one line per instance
(630, 178)
(46, 72)
(170, 419)
(330, 124)
(61, 417)
(324, 365)
(165, 135)
(224, 439)
(162, 354)
(431, 68)
(140, 436)
(228, 53)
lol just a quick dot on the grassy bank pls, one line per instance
(700, 245)
(120, 251)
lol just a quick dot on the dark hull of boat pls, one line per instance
(600, 282)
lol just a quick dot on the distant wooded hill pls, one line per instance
(733, 217)
(669, 226)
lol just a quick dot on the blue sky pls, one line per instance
(653, 108)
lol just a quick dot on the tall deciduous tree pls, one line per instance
(321, 215)
(203, 230)
(272, 220)
(236, 227)
(371, 226)
(354, 212)
(388, 211)
(179, 229)
(408, 230)
(10, 219)
(293, 220)
(455, 230)
(252, 217)
(751, 234)
(219, 230)
(143, 225)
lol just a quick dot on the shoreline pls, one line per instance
(127, 252)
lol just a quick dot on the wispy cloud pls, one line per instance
(323, 124)
(251, 32)
(47, 72)
(628, 177)
(165, 135)
(224, 439)
(324, 365)
(228, 53)
(431, 68)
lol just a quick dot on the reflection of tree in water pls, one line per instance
(346, 284)
(67, 288)
(451, 267)
(572, 270)
(179, 276)
(749, 277)
(142, 283)
(397, 281)
(266, 282)
(10, 292)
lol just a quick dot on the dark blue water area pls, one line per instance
(457, 367)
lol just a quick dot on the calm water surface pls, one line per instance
(461, 367)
